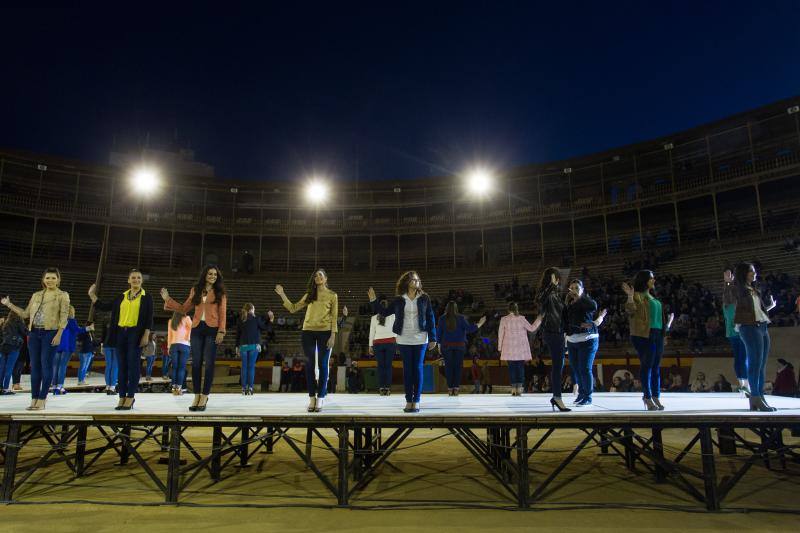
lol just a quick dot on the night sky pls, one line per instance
(395, 91)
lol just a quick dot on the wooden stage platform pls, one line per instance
(359, 432)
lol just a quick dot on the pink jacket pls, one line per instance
(512, 338)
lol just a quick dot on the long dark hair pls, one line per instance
(641, 279)
(546, 280)
(381, 318)
(176, 319)
(740, 274)
(451, 315)
(401, 287)
(11, 319)
(218, 287)
(311, 288)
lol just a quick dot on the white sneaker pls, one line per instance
(312, 404)
(320, 403)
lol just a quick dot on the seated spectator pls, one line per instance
(674, 380)
(700, 384)
(616, 385)
(355, 382)
(722, 384)
(785, 382)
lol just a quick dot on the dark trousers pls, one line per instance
(315, 347)
(756, 341)
(650, 350)
(128, 354)
(384, 354)
(555, 343)
(739, 357)
(204, 354)
(453, 365)
(179, 353)
(413, 358)
(516, 372)
(581, 356)
(42, 353)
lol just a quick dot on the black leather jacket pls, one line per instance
(551, 309)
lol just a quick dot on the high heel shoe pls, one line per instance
(203, 402)
(312, 404)
(34, 406)
(409, 408)
(557, 403)
(320, 403)
(195, 403)
(649, 405)
(121, 405)
(658, 404)
(757, 403)
(128, 406)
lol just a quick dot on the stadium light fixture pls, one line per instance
(145, 180)
(316, 191)
(479, 181)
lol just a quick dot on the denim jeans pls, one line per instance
(42, 355)
(413, 358)
(7, 362)
(581, 355)
(150, 362)
(315, 347)
(739, 357)
(128, 361)
(60, 362)
(649, 350)
(555, 343)
(384, 354)
(85, 365)
(179, 353)
(112, 366)
(166, 368)
(516, 372)
(204, 353)
(453, 365)
(249, 355)
(756, 341)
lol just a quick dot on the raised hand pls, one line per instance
(344, 310)
(279, 291)
(93, 292)
(271, 316)
(165, 294)
(727, 276)
(628, 289)
(5, 300)
(482, 321)
(371, 294)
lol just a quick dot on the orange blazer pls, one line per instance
(215, 314)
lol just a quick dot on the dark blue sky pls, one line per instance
(407, 90)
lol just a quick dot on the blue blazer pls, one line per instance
(427, 320)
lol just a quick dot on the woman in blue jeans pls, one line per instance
(383, 345)
(580, 326)
(452, 330)
(751, 319)
(12, 337)
(649, 324)
(248, 343)
(48, 310)
(415, 327)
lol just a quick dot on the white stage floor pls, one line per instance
(467, 407)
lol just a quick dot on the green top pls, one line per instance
(728, 311)
(655, 313)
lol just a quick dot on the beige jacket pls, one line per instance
(55, 307)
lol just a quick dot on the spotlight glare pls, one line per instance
(316, 191)
(479, 181)
(144, 180)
